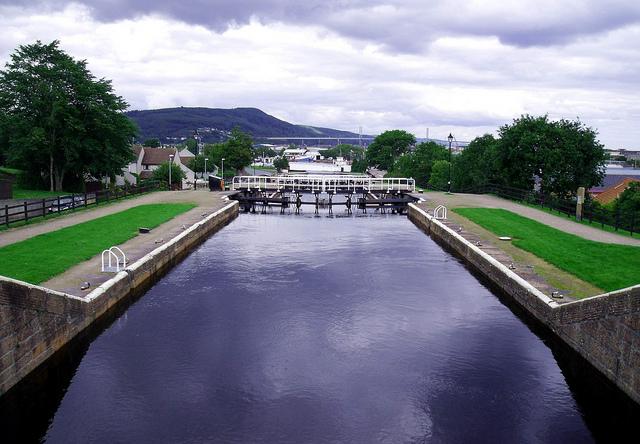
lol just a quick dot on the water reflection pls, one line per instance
(303, 329)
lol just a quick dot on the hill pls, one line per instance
(213, 124)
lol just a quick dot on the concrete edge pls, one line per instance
(41, 288)
(490, 259)
(104, 287)
(605, 295)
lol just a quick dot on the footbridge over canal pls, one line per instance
(389, 193)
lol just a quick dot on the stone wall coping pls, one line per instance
(614, 293)
(40, 288)
(149, 256)
(490, 259)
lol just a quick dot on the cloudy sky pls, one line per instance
(448, 65)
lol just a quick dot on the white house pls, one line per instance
(148, 159)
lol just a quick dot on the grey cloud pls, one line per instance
(407, 26)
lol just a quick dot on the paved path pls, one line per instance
(200, 197)
(560, 222)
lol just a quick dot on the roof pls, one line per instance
(157, 156)
(612, 193)
(611, 180)
(186, 153)
(136, 149)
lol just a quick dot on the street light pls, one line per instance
(205, 166)
(450, 140)
(170, 162)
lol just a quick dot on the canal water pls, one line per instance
(303, 329)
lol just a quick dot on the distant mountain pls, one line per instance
(213, 124)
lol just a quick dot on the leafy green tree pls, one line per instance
(191, 145)
(359, 166)
(281, 163)
(237, 152)
(348, 151)
(439, 178)
(562, 155)
(197, 164)
(418, 164)
(387, 147)
(152, 143)
(162, 174)
(476, 164)
(58, 121)
(627, 205)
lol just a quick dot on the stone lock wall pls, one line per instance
(35, 322)
(603, 329)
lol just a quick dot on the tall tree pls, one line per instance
(561, 156)
(387, 147)
(58, 120)
(418, 164)
(237, 151)
(476, 164)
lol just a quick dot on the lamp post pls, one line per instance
(205, 166)
(223, 170)
(170, 163)
(450, 138)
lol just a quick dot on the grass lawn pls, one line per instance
(19, 193)
(607, 266)
(41, 257)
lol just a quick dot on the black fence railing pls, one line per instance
(29, 209)
(592, 213)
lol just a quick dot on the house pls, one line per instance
(608, 195)
(148, 159)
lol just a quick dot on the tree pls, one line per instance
(348, 151)
(58, 121)
(191, 145)
(387, 147)
(627, 205)
(439, 178)
(281, 163)
(418, 164)
(152, 143)
(162, 174)
(197, 164)
(562, 155)
(237, 151)
(476, 164)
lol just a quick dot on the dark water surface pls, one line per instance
(302, 329)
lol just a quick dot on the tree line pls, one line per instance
(552, 156)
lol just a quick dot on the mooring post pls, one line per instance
(579, 203)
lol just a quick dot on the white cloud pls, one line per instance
(320, 74)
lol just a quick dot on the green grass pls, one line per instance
(47, 255)
(584, 221)
(19, 193)
(607, 266)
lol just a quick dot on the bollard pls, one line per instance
(579, 203)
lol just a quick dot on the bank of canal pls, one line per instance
(315, 329)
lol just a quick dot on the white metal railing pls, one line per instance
(114, 254)
(323, 183)
(440, 212)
